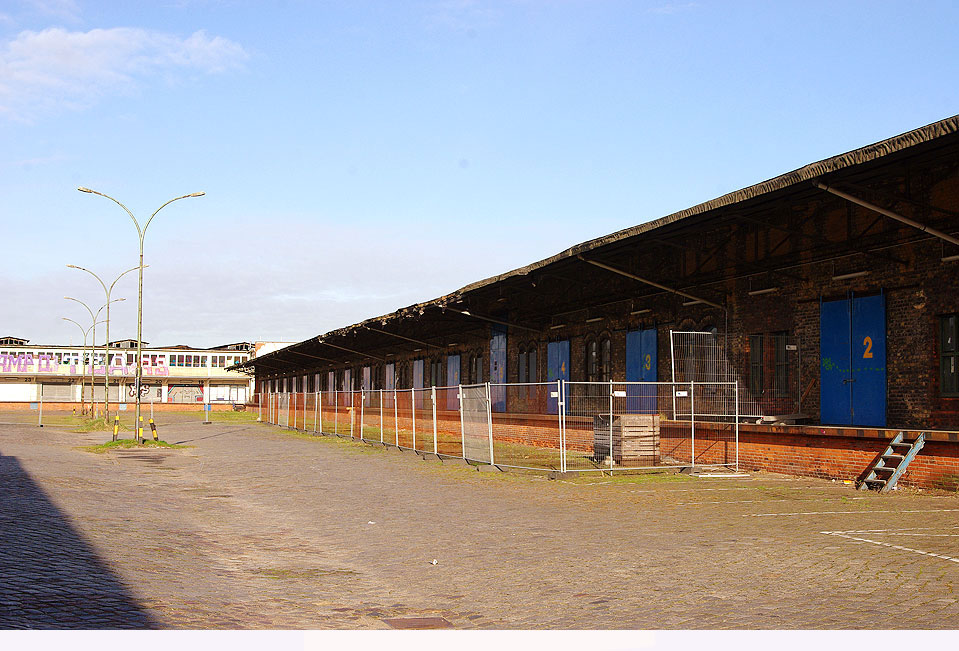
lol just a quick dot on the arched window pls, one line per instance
(592, 361)
(605, 361)
(476, 369)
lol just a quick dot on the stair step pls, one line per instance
(894, 456)
(901, 445)
(875, 480)
(885, 468)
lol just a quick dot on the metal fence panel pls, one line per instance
(405, 420)
(476, 416)
(525, 435)
(449, 435)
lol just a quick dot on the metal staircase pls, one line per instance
(892, 463)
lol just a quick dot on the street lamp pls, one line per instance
(93, 346)
(142, 232)
(107, 291)
(85, 333)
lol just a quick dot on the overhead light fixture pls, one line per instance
(452, 344)
(594, 319)
(760, 292)
(950, 258)
(416, 350)
(855, 274)
(688, 303)
(557, 327)
(643, 311)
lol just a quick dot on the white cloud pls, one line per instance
(46, 71)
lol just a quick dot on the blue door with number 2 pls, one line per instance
(852, 351)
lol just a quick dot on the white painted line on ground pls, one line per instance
(785, 499)
(762, 515)
(841, 534)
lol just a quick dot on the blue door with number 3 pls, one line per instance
(852, 351)
(641, 367)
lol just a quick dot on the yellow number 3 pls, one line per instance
(867, 342)
(649, 362)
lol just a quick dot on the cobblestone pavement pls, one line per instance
(255, 527)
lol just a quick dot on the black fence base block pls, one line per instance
(487, 468)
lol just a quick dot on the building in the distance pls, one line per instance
(172, 374)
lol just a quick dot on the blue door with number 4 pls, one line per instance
(852, 351)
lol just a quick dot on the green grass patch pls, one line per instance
(126, 444)
(629, 476)
(248, 416)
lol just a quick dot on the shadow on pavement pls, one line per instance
(50, 577)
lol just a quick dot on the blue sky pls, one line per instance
(362, 156)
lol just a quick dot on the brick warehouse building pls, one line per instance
(833, 289)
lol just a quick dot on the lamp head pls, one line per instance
(83, 189)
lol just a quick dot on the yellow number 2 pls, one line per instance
(867, 342)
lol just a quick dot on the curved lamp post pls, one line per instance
(85, 333)
(142, 231)
(107, 291)
(93, 344)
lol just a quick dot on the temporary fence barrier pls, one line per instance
(562, 426)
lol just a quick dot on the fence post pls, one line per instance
(259, 407)
(413, 414)
(611, 426)
(336, 410)
(40, 409)
(316, 409)
(737, 425)
(434, 420)
(692, 424)
(489, 422)
(362, 411)
(381, 415)
(287, 410)
(462, 425)
(352, 407)
(396, 418)
(560, 411)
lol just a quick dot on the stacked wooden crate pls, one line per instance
(635, 439)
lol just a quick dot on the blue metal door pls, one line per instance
(497, 367)
(835, 390)
(452, 379)
(852, 354)
(868, 352)
(557, 368)
(641, 367)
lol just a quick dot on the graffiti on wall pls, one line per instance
(47, 364)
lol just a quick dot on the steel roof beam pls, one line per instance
(650, 282)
